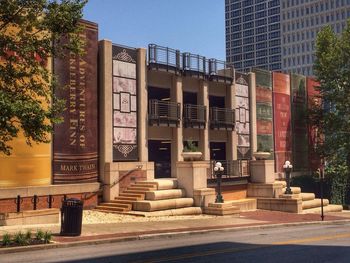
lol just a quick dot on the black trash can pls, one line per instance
(71, 217)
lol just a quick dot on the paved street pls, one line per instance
(316, 243)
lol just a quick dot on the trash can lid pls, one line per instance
(73, 201)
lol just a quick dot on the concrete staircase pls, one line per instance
(157, 197)
(123, 203)
(311, 204)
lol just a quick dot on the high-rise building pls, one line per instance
(279, 34)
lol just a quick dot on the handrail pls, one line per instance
(187, 61)
(222, 116)
(232, 168)
(164, 111)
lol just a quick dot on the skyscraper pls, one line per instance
(279, 34)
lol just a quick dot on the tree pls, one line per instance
(32, 32)
(332, 116)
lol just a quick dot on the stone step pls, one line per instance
(328, 208)
(149, 206)
(130, 202)
(119, 205)
(165, 194)
(162, 184)
(221, 209)
(307, 196)
(125, 198)
(130, 191)
(314, 203)
(144, 189)
(138, 196)
(144, 184)
(295, 190)
(170, 212)
(109, 208)
(247, 204)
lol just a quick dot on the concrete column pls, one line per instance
(252, 101)
(231, 147)
(203, 99)
(105, 105)
(142, 105)
(176, 94)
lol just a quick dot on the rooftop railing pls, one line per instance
(188, 63)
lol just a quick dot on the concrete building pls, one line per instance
(282, 32)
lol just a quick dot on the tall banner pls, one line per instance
(299, 123)
(282, 120)
(124, 103)
(312, 98)
(242, 116)
(75, 149)
(264, 111)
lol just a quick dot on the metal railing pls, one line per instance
(163, 112)
(232, 168)
(189, 63)
(222, 118)
(194, 116)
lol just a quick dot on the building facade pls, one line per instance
(288, 28)
(131, 112)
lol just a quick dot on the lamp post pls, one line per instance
(287, 169)
(321, 186)
(218, 169)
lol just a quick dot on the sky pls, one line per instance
(196, 26)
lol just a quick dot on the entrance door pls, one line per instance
(218, 151)
(159, 152)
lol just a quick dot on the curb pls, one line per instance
(165, 234)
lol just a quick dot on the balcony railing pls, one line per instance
(189, 64)
(222, 118)
(194, 116)
(232, 169)
(164, 112)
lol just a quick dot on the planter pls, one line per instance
(191, 156)
(261, 155)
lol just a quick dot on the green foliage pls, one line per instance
(332, 116)
(47, 237)
(27, 30)
(39, 235)
(20, 239)
(28, 235)
(6, 239)
(190, 146)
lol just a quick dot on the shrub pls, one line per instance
(20, 239)
(28, 235)
(39, 235)
(6, 239)
(47, 237)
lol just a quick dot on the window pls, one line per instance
(260, 14)
(248, 33)
(261, 53)
(248, 25)
(261, 38)
(248, 48)
(260, 22)
(260, 61)
(248, 40)
(248, 17)
(236, 28)
(274, 19)
(261, 45)
(249, 55)
(261, 30)
(248, 10)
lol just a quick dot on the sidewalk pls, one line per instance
(134, 228)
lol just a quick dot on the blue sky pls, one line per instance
(196, 26)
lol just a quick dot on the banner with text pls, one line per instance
(75, 144)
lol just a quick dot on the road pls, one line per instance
(313, 243)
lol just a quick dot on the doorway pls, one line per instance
(159, 152)
(218, 151)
